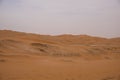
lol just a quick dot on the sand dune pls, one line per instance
(27, 56)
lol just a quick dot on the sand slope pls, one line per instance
(26, 56)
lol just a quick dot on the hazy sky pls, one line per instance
(92, 17)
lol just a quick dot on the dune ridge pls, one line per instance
(61, 45)
(28, 56)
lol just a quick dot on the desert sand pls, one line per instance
(27, 56)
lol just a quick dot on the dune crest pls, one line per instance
(67, 45)
(27, 56)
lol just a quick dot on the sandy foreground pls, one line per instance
(25, 56)
(60, 68)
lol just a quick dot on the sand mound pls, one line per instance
(26, 56)
(62, 45)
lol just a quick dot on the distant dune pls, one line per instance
(27, 56)
(18, 43)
